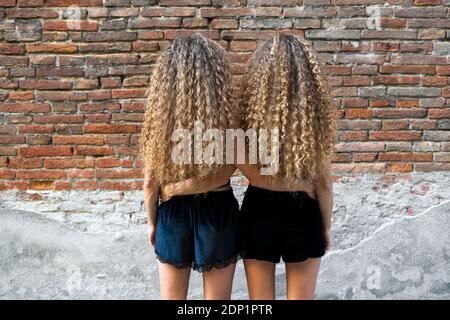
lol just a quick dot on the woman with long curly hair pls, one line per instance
(285, 89)
(191, 83)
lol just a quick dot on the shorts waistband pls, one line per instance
(279, 195)
(207, 196)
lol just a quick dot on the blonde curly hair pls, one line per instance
(191, 82)
(285, 88)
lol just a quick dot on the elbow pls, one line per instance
(148, 184)
(325, 184)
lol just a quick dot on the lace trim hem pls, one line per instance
(201, 267)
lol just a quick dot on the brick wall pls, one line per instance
(73, 75)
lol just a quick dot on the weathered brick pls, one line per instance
(399, 167)
(247, 23)
(414, 91)
(405, 156)
(92, 151)
(168, 12)
(51, 47)
(30, 152)
(358, 168)
(110, 128)
(45, 84)
(78, 3)
(426, 146)
(47, 128)
(194, 23)
(184, 2)
(388, 34)
(72, 25)
(398, 146)
(309, 12)
(332, 34)
(395, 135)
(429, 167)
(396, 80)
(24, 107)
(224, 24)
(24, 163)
(395, 124)
(118, 174)
(359, 146)
(436, 135)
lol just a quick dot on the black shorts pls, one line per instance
(198, 231)
(280, 224)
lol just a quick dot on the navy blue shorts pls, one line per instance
(280, 224)
(198, 231)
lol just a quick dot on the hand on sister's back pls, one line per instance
(166, 192)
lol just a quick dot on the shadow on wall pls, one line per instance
(43, 259)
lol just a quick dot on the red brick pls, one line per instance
(128, 93)
(120, 185)
(415, 69)
(362, 113)
(60, 185)
(108, 162)
(427, 2)
(353, 135)
(6, 174)
(44, 185)
(423, 124)
(79, 140)
(364, 157)
(395, 124)
(9, 185)
(7, 3)
(63, 163)
(407, 103)
(443, 70)
(80, 173)
(396, 135)
(119, 174)
(434, 81)
(70, 25)
(392, 22)
(92, 151)
(48, 151)
(358, 168)
(397, 113)
(51, 47)
(224, 24)
(12, 49)
(405, 156)
(78, 3)
(396, 80)
(23, 107)
(85, 185)
(439, 113)
(43, 128)
(40, 174)
(399, 167)
(429, 167)
(73, 118)
(4, 139)
(24, 163)
(110, 128)
(21, 95)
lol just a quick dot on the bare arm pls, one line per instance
(325, 195)
(151, 198)
(198, 185)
